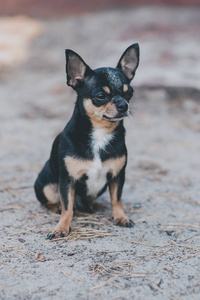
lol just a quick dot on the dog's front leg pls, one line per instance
(115, 188)
(67, 195)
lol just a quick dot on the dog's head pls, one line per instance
(104, 93)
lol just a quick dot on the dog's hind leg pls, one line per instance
(46, 185)
(46, 189)
(52, 195)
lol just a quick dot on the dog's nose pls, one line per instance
(122, 107)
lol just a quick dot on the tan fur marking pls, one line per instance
(77, 167)
(51, 193)
(64, 223)
(106, 89)
(115, 165)
(125, 88)
(117, 208)
(55, 207)
(96, 115)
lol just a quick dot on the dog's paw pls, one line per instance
(58, 233)
(124, 221)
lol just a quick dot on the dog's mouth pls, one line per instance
(116, 118)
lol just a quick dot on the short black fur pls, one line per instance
(102, 96)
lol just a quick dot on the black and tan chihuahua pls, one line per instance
(90, 154)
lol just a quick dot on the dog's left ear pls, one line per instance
(77, 70)
(129, 61)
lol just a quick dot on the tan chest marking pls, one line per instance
(77, 167)
(115, 165)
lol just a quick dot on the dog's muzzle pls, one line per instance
(121, 104)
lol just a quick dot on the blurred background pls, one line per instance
(167, 31)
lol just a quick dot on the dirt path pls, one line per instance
(160, 257)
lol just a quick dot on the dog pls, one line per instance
(90, 154)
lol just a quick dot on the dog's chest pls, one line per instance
(96, 177)
(94, 171)
(97, 173)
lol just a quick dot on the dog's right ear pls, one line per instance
(77, 70)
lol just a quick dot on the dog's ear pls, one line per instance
(77, 70)
(129, 61)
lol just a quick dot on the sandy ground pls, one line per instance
(160, 257)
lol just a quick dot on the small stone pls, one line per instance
(137, 205)
(21, 240)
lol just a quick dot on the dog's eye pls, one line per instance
(100, 96)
